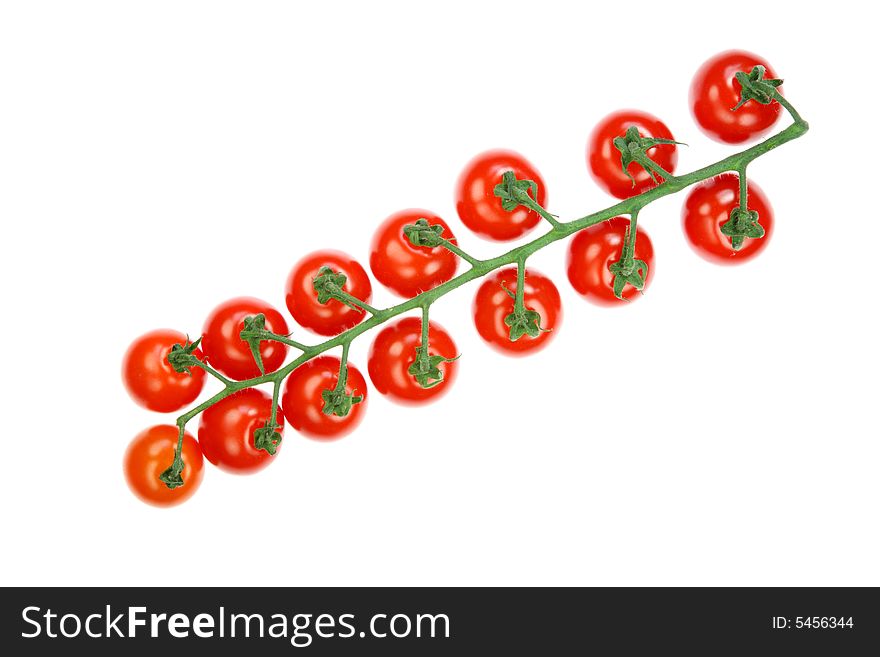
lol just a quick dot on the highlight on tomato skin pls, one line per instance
(150, 453)
(604, 161)
(714, 92)
(226, 431)
(492, 304)
(302, 402)
(405, 269)
(707, 208)
(333, 317)
(593, 250)
(228, 353)
(394, 350)
(149, 378)
(478, 207)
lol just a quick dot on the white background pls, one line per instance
(157, 158)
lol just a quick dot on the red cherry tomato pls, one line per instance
(228, 353)
(406, 269)
(333, 317)
(479, 208)
(594, 249)
(149, 377)
(303, 403)
(604, 159)
(150, 454)
(394, 350)
(715, 92)
(226, 431)
(492, 304)
(708, 207)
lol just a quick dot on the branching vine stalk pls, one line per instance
(328, 285)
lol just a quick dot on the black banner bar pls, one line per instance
(439, 621)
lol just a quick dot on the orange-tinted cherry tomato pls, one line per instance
(150, 454)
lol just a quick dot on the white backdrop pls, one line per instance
(250, 133)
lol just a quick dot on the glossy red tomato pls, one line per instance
(333, 317)
(479, 208)
(406, 269)
(302, 400)
(604, 160)
(594, 249)
(492, 304)
(394, 351)
(226, 431)
(708, 207)
(149, 377)
(150, 454)
(715, 92)
(228, 353)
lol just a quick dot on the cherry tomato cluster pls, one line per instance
(499, 195)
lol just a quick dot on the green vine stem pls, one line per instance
(354, 302)
(425, 368)
(172, 475)
(472, 261)
(276, 391)
(283, 339)
(629, 248)
(480, 268)
(653, 168)
(533, 205)
(629, 270)
(342, 379)
(743, 188)
(519, 303)
(426, 313)
(210, 370)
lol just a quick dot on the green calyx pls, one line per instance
(629, 271)
(255, 332)
(422, 233)
(172, 476)
(252, 333)
(181, 357)
(523, 321)
(425, 369)
(514, 193)
(267, 438)
(338, 402)
(328, 284)
(634, 148)
(756, 87)
(742, 224)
